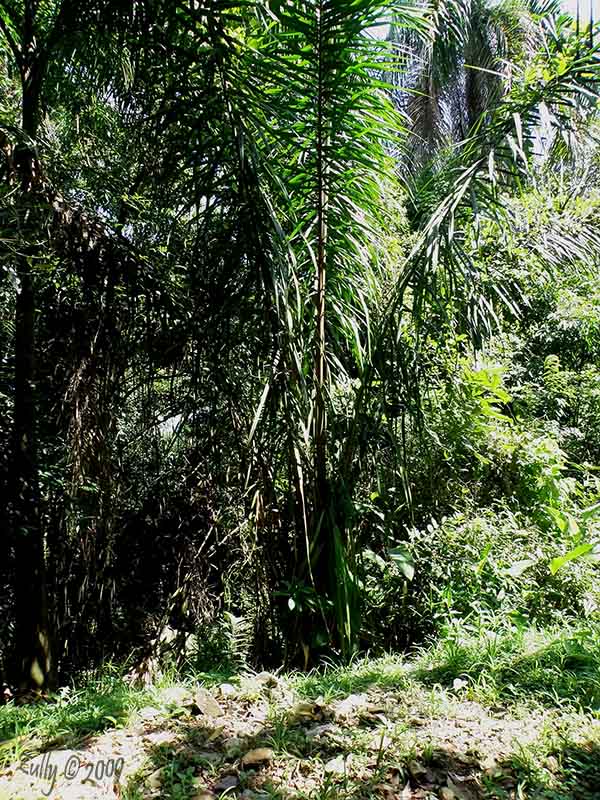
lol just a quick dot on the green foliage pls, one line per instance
(223, 644)
(266, 354)
(546, 666)
(493, 566)
(333, 681)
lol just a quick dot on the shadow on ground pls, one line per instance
(200, 765)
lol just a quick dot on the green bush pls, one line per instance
(474, 450)
(490, 564)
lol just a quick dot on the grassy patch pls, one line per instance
(557, 667)
(104, 700)
(69, 716)
(334, 681)
(506, 714)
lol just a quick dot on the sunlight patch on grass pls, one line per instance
(555, 668)
(336, 681)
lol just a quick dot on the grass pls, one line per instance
(543, 683)
(332, 681)
(555, 668)
(102, 701)
(68, 716)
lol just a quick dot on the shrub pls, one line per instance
(493, 563)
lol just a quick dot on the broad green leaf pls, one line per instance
(484, 558)
(577, 552)
(402, 557)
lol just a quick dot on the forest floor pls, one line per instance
(486, 717)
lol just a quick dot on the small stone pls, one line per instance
(303, 712)
(205, 703)
(337, 765)
(258, 756)
(417, 771)
(227, 690)
(227, 782)
(154, 780)
(202, 793)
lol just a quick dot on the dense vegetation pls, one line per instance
(300, 329)
(300, 371)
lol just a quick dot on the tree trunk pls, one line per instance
(321, 524)
(33, 664)
(33, 668)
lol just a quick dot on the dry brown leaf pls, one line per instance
(406, 793)
(258, 756)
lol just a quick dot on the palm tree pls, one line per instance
(287, 131)
(333, 130)
(462, 69)
(451, 203)
(333, 121)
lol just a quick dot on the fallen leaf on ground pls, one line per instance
(337, 765)
(258, 756)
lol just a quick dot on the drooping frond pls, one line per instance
(440, 277)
